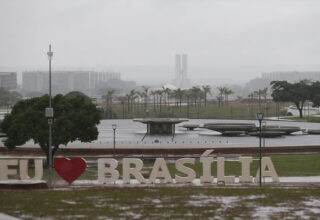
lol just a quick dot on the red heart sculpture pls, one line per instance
(68, 169)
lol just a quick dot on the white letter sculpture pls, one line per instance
(160, 169)
(103, 170)
(4, 169)
(220, 172)
(271, 172)
(127, 170)
(245, 170)
(38, 173)
(206, 170)
(191, 175)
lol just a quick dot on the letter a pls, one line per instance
(271, 172)
(160, 169)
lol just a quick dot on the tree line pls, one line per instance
(163, 97)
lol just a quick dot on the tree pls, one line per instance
(179, 93)
(74, 94)
(122, 100)
(154, 94)
(145, 94)
(315, 93)
(227, 92)
(166, 92)
(128, 101)
(160, 94)
(220, 96)
(264, 93)
(257, 94)
(131, 96)
(74, 119)
(206, 90)
(108, 111)
(140, 97)
(109, 96)
(297, 93)
(195, 93)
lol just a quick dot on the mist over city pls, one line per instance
(227, 42)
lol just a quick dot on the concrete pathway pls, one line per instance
(7, 217)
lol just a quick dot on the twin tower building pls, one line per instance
(181, 71)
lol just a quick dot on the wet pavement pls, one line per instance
(131, 134)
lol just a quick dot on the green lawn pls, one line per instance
(211, 111)
(163, 202)
(306, 119)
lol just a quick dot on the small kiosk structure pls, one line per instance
(160, 126)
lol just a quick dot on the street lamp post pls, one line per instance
(49, 115)
(114, 127)
(260, 118)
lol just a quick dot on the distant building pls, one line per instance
(181, 71)
(8, 80)
(65, 81)
(292, 76)
(97, 78)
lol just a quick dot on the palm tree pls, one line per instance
(109, 95)
(159, 96)
(251, 97)
(264, 93)
(179, 93)
(154, 94)
(166, 92)
(202, 96)
(171, 95)
(227, 92)
(221, 93)
(258, 94)
(140, 97)
(122, 101)
(195, 93)
(220, 100)
(128, 101)
(131, 98)
(145, 96)
(207, 90)
(188, 94)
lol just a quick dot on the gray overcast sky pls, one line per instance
(222, 38)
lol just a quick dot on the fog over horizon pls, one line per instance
(226, 41)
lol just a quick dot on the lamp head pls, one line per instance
(50, 53)
(114, 126)
(260, 116)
